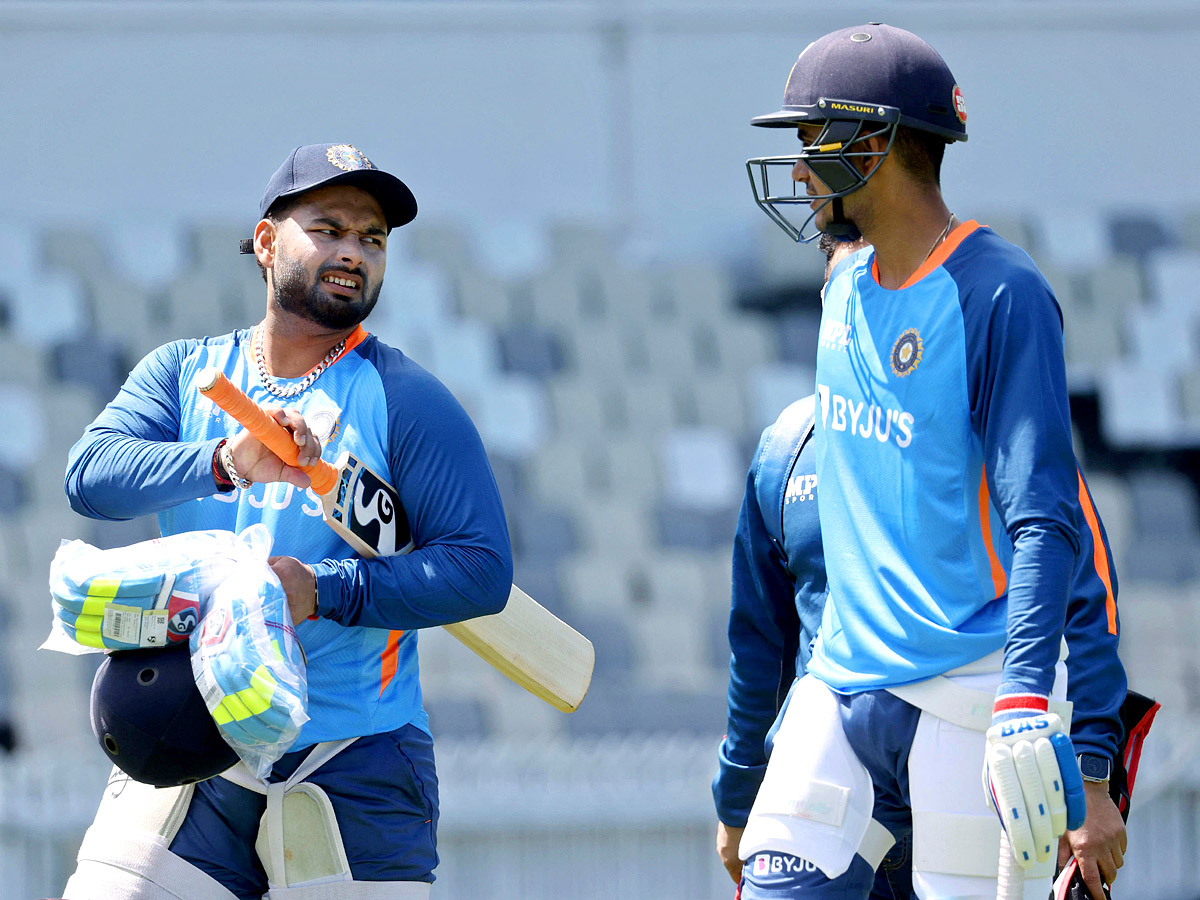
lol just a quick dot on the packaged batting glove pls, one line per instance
(150, 594)
(248, 664)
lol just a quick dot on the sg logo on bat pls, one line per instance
(368, 507)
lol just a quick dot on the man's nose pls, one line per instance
(350, 249)
(800, 171)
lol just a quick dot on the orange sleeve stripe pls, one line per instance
(1099, 555)
(999, 576)
(388, 660)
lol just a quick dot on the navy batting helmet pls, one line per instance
(855, 83)
(151, 720)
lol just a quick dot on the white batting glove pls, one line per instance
(1032, 781)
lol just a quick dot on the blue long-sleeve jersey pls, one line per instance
(779, 592)
(949, 504)
(151, 451)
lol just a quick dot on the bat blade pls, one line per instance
(534, 648)
(525, 641)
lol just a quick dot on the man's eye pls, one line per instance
(373, 240)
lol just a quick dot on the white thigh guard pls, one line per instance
(956, 835)
(125, 853)
(816, 798)
(300, 842)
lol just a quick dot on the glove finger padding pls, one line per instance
(1034, 784)
(145, 595)
(249, 667)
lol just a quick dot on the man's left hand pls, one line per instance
(1099, 843)
(299, 583)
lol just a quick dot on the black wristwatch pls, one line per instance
(1094, 767)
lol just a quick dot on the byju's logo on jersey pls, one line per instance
(906, 352)
(864, 420)
(835, 336)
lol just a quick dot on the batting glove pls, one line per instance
(1031, 777)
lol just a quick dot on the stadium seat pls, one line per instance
(568, 469)
(1162, 339)
(512, 415)
(719, 401)
(457, 718)
(443, 244)
(1163, 505)
(96, 362)
(1139, 407)
(480, 296)
(46, 308)
(1173, 280)
(597, 350)
(528, 349)
(614, 525)
(796, 336)
(28, 365)
(743, 342)
(687, 528)
(510, 248)
(632, 466)
(24, 415)
(539, 578)
(464, 355)
(700, 293)
(541, 531)
(1072, 238)
(774, 387)
(701, 469)
(662, 711)
(1116, 285)
(597, 584)
(609, 634)
(652, 406)
(150, 253)
(686, 664)
(584, 409)
(579, 244)
(1138, 234)
(14, 492)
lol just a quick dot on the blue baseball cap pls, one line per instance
(319, 165)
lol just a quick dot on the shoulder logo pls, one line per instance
(348, 158)
(960, 104)
(906, 352)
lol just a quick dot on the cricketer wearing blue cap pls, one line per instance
(360, 779)
(950, 509)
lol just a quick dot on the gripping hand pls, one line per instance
(1032, 781)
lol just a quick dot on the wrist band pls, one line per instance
(224, 485)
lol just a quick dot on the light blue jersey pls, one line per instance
(949, 492)
(151, 451)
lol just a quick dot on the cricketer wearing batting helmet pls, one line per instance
(779, 591)
(950, 508)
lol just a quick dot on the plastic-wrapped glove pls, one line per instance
(149, 594)
(249, 666)
(1031, 777)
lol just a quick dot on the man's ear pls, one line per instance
(265, 234)
(877, 143)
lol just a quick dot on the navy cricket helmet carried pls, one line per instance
(151, 720)
(855, 83)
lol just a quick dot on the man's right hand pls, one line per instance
(728, 839)
(255, 462)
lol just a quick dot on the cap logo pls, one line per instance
(347, 158)
(960, 104)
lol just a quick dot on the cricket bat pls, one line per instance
(525, 641)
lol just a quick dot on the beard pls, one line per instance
(297, 295)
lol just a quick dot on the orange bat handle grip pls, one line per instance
(214, 385)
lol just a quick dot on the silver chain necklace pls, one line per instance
(291, 390)
(941, 237)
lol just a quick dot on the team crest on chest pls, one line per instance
(906, 352)
(323, 423)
